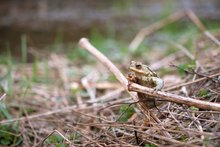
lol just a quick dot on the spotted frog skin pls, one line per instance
(143, 75)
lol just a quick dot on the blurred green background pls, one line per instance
(58, 25)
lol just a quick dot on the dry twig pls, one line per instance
(176, 98)
(170, 19)
(3, 96)
(154, 27)
(201, 27)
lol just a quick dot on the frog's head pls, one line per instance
(141, 69)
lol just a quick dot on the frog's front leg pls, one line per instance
(158, 82)
(131, 77)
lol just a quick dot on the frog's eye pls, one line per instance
(138, 66)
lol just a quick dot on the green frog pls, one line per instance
(143, 75)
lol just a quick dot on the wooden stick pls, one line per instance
(168, 20)
(154, 27)
(176, 98)
(201, 27)
(195, 20)
(3, 96)
(84, 43)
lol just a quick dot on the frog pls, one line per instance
(145, 76)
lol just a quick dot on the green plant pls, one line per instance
(24, 48)
(74, 136)
(122, 5)
(150, 145)
(55, 139)
(193, 108)
(58, 41)
(60, 145)
(35, 71)
(46, 71)
(6, 79)
(6, 82)
(183, 68)
(126, 111)
(79, 54)
(9, 135)
(25, 84)
(4, 112)
(203, 93)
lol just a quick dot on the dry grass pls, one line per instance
(85, 109)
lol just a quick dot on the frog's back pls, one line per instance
(147, 82)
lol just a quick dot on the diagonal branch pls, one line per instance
(144, 32)
(154, 27)
(84, 43)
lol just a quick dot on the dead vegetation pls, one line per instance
(70, 108)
